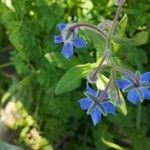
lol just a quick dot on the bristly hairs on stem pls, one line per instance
(108, 47)
(88, 26)
(107, 52)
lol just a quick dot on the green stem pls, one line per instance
(108, 38)
(138, 116)
(108, 42)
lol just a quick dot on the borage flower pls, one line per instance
(138, 87)
(95, 106)
(69, 38)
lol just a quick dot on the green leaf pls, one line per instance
(72, 79)
(140, 38)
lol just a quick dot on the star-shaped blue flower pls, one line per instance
(94, 107)
(136, 92)
(70, 39)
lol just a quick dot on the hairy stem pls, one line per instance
(108, 47)
(98, 68)
(107, 51)
(89, 26)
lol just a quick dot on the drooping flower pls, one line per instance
(137, 91)
(69, 38)
(94, 107)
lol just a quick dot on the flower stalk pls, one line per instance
(88, 26)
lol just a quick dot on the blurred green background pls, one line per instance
(31, 115)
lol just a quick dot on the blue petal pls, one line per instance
(85, 103)
(133, 96)
(122, 84)
(145, 76)
(90, 91)
(79, 42)
(146, 92)
(96, 116)
(67, 50)
(110, 108)
(58, 39)
(61, 26)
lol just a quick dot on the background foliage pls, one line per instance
(31, 66)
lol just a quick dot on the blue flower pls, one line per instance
(136, 92)
(95, 107)
(69, 38)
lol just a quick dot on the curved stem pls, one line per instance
(108, 47)
(89, 26)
